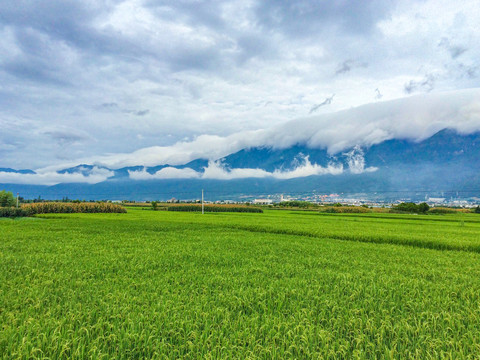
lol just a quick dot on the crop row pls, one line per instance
(215, 208)
(67, 208)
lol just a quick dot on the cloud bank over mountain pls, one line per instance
(343, 134)
(50, 177)
(416, 118)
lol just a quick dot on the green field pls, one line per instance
(281, 284)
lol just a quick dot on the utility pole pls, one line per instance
(202, 203)
(17, 200)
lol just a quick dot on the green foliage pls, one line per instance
(12, 212)
(295, 204)
(423, 208)
(441, 210)
(6, 199)
(477, 210)
(285, 285)
(215, 208)
(410, 207)
(154, 205)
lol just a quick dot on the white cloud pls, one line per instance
(356, 161)
(165, 173)
(216, 171)
(416, 118)
(52, 178)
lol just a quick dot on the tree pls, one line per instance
(477, 210)
(154, 205)
(407, 207)
(6, 199)
(423, 208)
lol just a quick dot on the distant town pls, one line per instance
(453, 200)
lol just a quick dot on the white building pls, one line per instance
(262, 201)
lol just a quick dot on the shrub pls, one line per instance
(295, 203)
(154, 205)
(423, 208)
(410, 207)
(12, 212)
(215, 208)
(477, 210)
(66, 208)
(441, 211)
(6, 199)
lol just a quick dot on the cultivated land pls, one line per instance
(280, 284)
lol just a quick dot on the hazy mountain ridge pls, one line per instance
(447, 161)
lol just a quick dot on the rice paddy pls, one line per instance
(282, 284)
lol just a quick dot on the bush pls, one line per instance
(12, 212)
(6, 199)
(215, 208)
(477, 210)
(423, 208)
(411, 207)
(295, 203)
(441, 211)
(154, 205)
(67, 208)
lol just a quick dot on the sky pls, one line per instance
(141, 81)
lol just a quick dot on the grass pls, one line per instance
(275, 285)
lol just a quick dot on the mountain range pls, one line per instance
(445, 162)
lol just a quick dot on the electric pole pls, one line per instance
(202, 203)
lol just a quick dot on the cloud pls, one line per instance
(309, 18)
(137, 112)
(414, 118)
(52, 177)
(327, 101)
(455, 50)
(66, 136)
(216, 171)
(347, 66)
(426, 84)
(344, 67)
(165, 173)
(356, 161)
